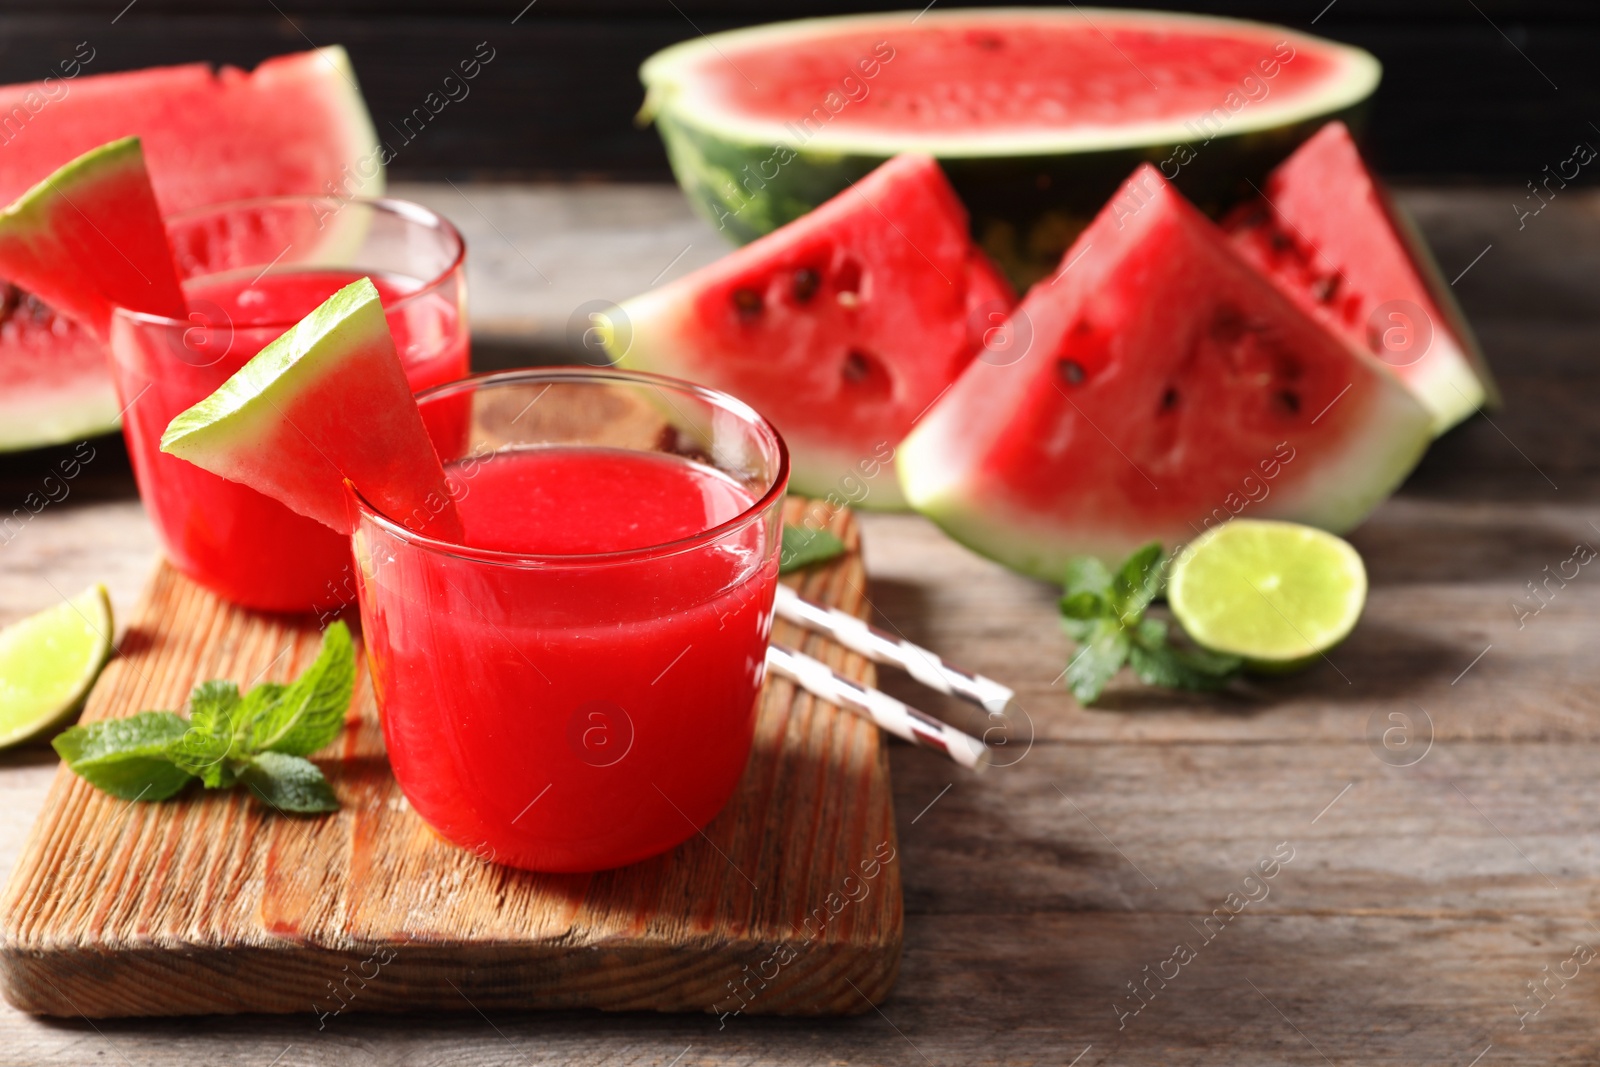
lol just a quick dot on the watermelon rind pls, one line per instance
(54, 408)
(362, 134)
(942, 486)
(961, 466)
(338, 364)
(73, 413)
(1463, 382)
(51, 244)
(1028, 195)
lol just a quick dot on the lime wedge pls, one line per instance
(48, 662)
(1276, 594)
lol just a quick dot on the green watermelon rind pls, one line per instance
(27, 423)
(227, 432)
(1472, 385)
(32, 210)
(1027, 200)
(1346, 489)
(363, 134)
(95, 410)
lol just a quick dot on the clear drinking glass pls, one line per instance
(251, 270)
(575, 712)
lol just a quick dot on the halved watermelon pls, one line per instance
(326, 403)
(296, 124)
(841, 328)
(1325, 230)
(1168, 386)
(87, 268)
(1037, 114)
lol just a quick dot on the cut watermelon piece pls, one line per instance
(1037, 114)
(1326, 231)
(89, 239)
(324, 404)
(296, 124)
(841, 328)
(1168, 387)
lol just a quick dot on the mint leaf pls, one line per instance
(1086, 574)
(309, 713)
(1084, 606)
(802, 548)
(289, 784)
(128, 758)
(205, 747)
(255, 705)
(1137, 583)
(227, 737)
(1157, 662)
(1105, 614)
(1098, 660)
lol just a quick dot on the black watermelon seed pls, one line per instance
(747, 302)
(805, 286)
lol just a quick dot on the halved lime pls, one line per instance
(48, 662)
(1276, 594)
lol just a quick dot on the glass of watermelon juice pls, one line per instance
(572, 686)
(251, 270)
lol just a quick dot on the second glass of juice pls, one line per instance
(572, 687)
(250, 271)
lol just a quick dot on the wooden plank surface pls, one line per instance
(212, 904)
(1417, 906)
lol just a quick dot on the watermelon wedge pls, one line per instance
(841, 328)
(87, 268)
(296, 124)
(1037, 114)
(1168, 387)
(324, 404)
(1326, 231)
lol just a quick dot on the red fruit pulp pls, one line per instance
(991, 75)
(230, 538)
(577, 715)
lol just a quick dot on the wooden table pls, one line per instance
(1431, 878)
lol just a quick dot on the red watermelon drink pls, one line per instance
(250, 271)
(573, 686)
(566, 577)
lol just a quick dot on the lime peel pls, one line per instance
(49, 661)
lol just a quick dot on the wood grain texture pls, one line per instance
(788, 903)
(1417, 907)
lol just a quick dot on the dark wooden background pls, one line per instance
(1472, 88)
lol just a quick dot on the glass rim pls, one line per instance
(408, 210)
(596, 375)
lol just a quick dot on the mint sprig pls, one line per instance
(1105, 614)
(803, 547)
(259, 738)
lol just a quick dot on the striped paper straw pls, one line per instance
(898, 718)
(871, 642)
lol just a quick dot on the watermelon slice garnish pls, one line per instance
(295, 124)
(841, 328)
(1168, 387)
(325, 404)
(1327, 232)
(89, 239)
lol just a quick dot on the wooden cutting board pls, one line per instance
(789, 903)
